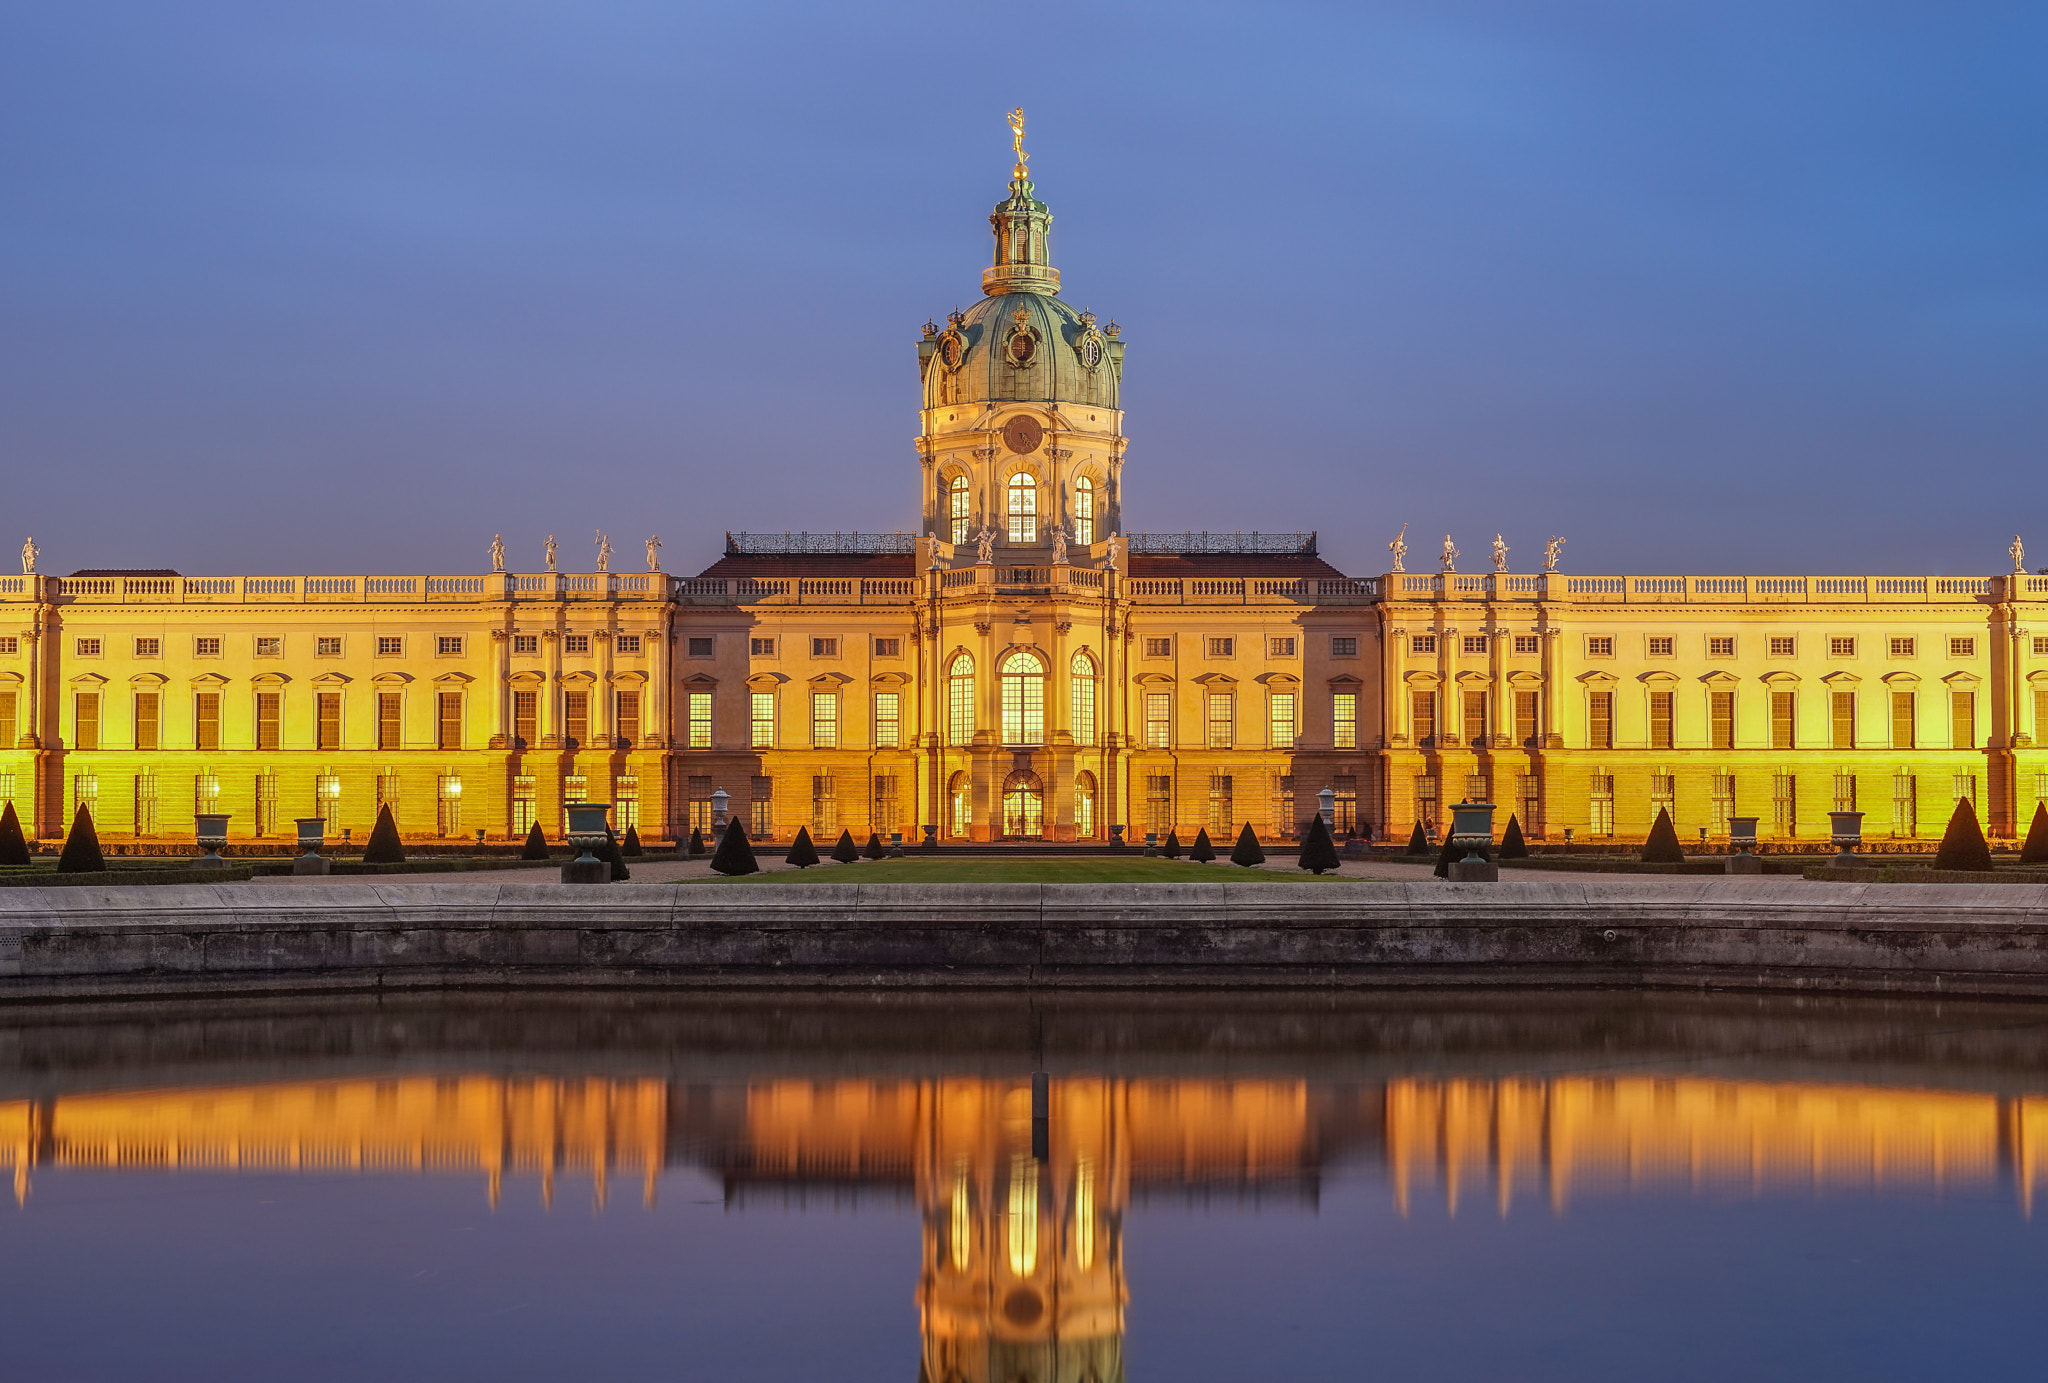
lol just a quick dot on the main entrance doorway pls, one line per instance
(1023, 807)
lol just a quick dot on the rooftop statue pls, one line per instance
(1016, 119)
(497, 552)
(1059, 545)
(1551, 550)
(1450, 554)
(985, 545)
(1399, 547)
(2018, 553)
(654, 554)
(604, 551)
(28, 556)
(1500, 553)
(550, 546)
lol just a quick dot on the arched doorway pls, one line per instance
(960, 805)
(1084, 806)
(1023, 807)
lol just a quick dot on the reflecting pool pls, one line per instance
(993, 1189)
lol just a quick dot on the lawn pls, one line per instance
(983, 870)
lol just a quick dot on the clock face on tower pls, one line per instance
(1022, 434)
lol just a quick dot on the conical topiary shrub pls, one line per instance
(734, 855)
(536, 844)
(1418, 842)
(383, 846)
(1170, 847)
(1512, 846)
(875, 850)
(1201, 852)
(696, 841)
(1962, 845)
(609, 853)
(1662, 846)
(1444, 855)
(630, 846)
(1247, 852)
(1318, 850)
(844, 850)
(802, 853)
(13, 845)
(82, 847)
(2035, 851)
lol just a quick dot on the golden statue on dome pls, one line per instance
(1016, 119)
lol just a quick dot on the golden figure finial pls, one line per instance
(1016, 119)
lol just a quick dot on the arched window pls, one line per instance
(1084, 806)
(1023, 509)
(960, 700)
(957, 501)
(960, 798)
(1023, 699)
(1084, 511)
(1081, 686)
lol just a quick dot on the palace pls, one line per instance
(1023, 667)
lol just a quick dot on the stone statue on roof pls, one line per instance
(1450, 554)
(1059, 545)
(604, 551)
(497, 552)
(550, 547)
(985, 545)
(654, 554)
(2018, 553)
(28, 556)
(1500, 553)
(1551, 550)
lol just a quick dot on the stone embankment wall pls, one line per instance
(1756, 933)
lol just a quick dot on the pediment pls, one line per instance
(209, 679)
(766, 681)
(453, 679)
(1780, 678)
(582, 677)
(1841, 679)
(1278, 681)
(1719, 678)
(140, 679)
(15, 677)
(1214, 679)
(270, 679)
(1961, 680)
(704, 681)
(384, 679)
(1659, 679)
(2038, 677)
(528, 678)
(1525, 678)
(1598, 678)
(889, 679)
(1474, 678)
(1344, 680)
(1423, 681)
(629, 679)
(89, 679)
(1153, 679)
(826, 680)
(1902, 679)
(337, 679)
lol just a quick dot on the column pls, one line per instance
(655, 712)
(602, 730)
(501, 721)
(548, 705)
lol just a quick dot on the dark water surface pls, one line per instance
(1217, 1187)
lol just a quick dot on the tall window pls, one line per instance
(1344, 719)
(1845, 792)
(1222, 807)
(625, 800)
(888, 721)
(960, 700)
(1081, 692)
(576, 716)
(1963, 718)
(1475, 717)
(9, 721)
(824, 806)
(762, 720)
(449, 734)
(526, 720)
(1905, 805)
(888, 811)
(1280, 720)
(266, 804)
(1423, 707)
(1902, 720)
(328, 721)
(1023, 699)
(1529, 792)
(960, 805)
(1158, 720)
(525, 804)
(85, 721)
(148, 724)
(1284, 823)
(390, 721)
(1023, 509)
(1785, 804)
(145, 804)
(1084, 511)
(1783, 730)
(1525, 717)
(1427, 795)
(1660, 719)
(626, 718)
(388, 787)
(825, 720)
(205, 793)
(1222, 720)
(206, 721)
(1600, 723)
(1724, 803)
(1084, 806)
(1159, 803)
(1601, 822)
(957, 499)
(327, 800)
(700, 720)
(1345, 808)
(1721, 719)
(268, 714)
(1663, 795)
(1842, 720)
(85, 792)
(761, 809)
(448, 805)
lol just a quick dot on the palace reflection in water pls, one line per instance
(1022, 1266)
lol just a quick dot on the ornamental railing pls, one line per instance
(791, 544)
(1189, 544)
(1719, 590)
(323, 590)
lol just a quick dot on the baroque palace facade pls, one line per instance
(1020, 668)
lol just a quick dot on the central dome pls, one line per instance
(1023, 348)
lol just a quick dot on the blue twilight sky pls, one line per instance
(1713, 287)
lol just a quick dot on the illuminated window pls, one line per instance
(1084, 511)
(763, 720)
(448, 804)
(1222, 720)
(960, 700)
(1084, 805)
(1280, 719)
(825, 720)
(145, 804)
(327, 721)
(958, 498)
(700, 720)
(1023, 509)
(267, 720)
(1600, 816)
(824, 805)
(1023, 692)
(1344, 715)
(888, 720)
(626, 800)
(1158, 720)
(1081, 694)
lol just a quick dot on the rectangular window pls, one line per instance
(1474, 643)
(1721, 648)
(888, 721)
(1724, 804)
(327, 647)
(628, 643)
(1962, 648)
(1842, 720)
(526, 643)
(1721, 719)
(763, 720)
(1662, 645)
(206, 646)
(888, 648)
(1222, 807)
(9, 721)
(1663, 796)
(1279, 648)
(1660, 719)
(388, 786)
(699, 647)
(148, 725)
(205, 793)
(1222, 720)
(575, 643)
(1081, 693)
(1784, 728)
(825, 720)
(448, 805)
(1845, 792)
(1785, 805)
(1285, 824)
(761, 648)
(85, 720)
(1223, 648)
(327, 801)
(1529, 792)
(888, 813)
(1902, 648)
(1158, 804)
(390, 645)
(575, 788)
(1600, 822)
(699, 801)
(1963, 719)
(1600, 720)
(1527, 715)
(525, 804)
(266, 803)
(626, 718)
(1478, 788)
(2041, 645)
(1599, 645)
(1839, 647)
(761, 809)
(85, 792)
(269, 715)
(1158, 648)
(1783, 647)
(1422, 708)
(576, 716)
(700, 720)
(2040, 718)
(1903, 720)
(1344, 714)
(1280, 719)
(269, 646)
(145, 804)
(1344, 809)
(1422, 643)
(149, 648)
(450, 733)
(1475, 717)
(1343, 646)
(626, 800)
(1905, 805)
(10, 646)
(526, 719)
(1158, 720)
(206, 721)
(824, 648)
(1023, 709)
(1425, 790)
(87, 648)
(824, 806)
(448, 645)
(390, 722)
(328, 709)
